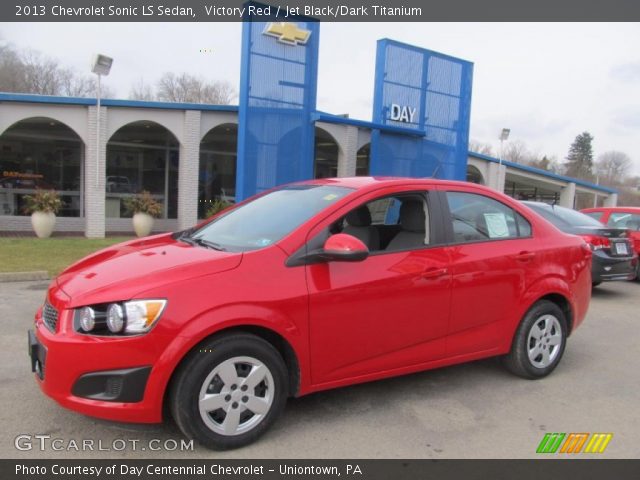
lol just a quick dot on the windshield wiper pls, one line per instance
(207, 243)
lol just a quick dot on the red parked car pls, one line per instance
(307, 287)
(620, 217)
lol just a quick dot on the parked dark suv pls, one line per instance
(613, 255)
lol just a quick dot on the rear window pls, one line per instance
(562, 216)
(595, 215)
(625, 220)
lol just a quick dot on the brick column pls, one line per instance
(188, 171)
(611, 200)
(347, 155)
(94, 176)
(496, 176)
(568, 195)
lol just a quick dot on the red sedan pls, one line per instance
(303, 288)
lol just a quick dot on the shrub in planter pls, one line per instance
(43, 207)
(217, 206)
(144, 209)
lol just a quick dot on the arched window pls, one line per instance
(142, 156)
(474, 175)
(41, 153)
(217, 171)
(363, 157)
(326, 155)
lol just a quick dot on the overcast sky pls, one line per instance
(548, 82)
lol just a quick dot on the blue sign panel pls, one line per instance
(428, 92)
(277, 96)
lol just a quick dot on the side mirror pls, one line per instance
(337, 248)
(343, 248)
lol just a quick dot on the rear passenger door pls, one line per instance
(491, 250)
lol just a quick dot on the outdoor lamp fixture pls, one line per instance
(504, 135)
(101, 65)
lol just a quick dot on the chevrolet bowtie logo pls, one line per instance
(288, 33)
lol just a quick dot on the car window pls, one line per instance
(625, 220)
(563, 217)
(393, 223)
(475, 218)
(270, 217)
(595, 215)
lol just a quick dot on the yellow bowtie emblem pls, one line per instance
(288, 33)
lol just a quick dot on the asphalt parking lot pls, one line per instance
(476, 410)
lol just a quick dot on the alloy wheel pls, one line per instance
(544, 341)
(236, 396)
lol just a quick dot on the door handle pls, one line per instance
(524, 256)
(433, 273)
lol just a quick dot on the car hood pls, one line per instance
(127, 269)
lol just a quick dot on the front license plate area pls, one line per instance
(38, 355)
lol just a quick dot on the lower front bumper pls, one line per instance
(112, 380)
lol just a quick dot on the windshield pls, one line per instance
(564, 217)
(268, 218)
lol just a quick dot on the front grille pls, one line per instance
(50, 316)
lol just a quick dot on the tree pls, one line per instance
(545, 163)
(480, 147)
(516, 151)
(612, 167)
(579, 162)
(142, 91)
(29, 71)
(186, 88)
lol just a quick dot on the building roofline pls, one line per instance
(111, 102)
(545, 173)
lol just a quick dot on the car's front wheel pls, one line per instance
(539, 341)
(229, 391)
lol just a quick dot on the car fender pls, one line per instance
(217, 320)
(551, 284)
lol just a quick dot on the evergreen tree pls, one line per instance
(580, 159)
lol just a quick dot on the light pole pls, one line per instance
(101, 65)
(504, 135)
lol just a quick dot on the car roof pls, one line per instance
(370, 183)
(612, 209)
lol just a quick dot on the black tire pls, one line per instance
(189, 384)
(518, 360)
(595, 284)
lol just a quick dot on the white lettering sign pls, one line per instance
(400, 113)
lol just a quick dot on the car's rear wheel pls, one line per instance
(229, 391)
(539, 341)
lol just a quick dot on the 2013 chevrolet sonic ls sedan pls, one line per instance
(307, 287)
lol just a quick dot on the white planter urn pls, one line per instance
(43, 223)
(142, 224)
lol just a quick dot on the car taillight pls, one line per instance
(597, 242)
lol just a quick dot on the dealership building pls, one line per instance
(189, 155)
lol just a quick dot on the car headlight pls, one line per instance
(119, 318)
(87, 319)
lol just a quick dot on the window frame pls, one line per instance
(448, 220)
(436, 223)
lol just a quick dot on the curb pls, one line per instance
(23, 276)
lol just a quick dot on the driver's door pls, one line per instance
(384, 313)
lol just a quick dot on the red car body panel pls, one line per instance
(634, 235)
(346, 322)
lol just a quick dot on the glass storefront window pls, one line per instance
(217, 172)
(142, 156)
(362, 160)
(326, 155)
(40, 153)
